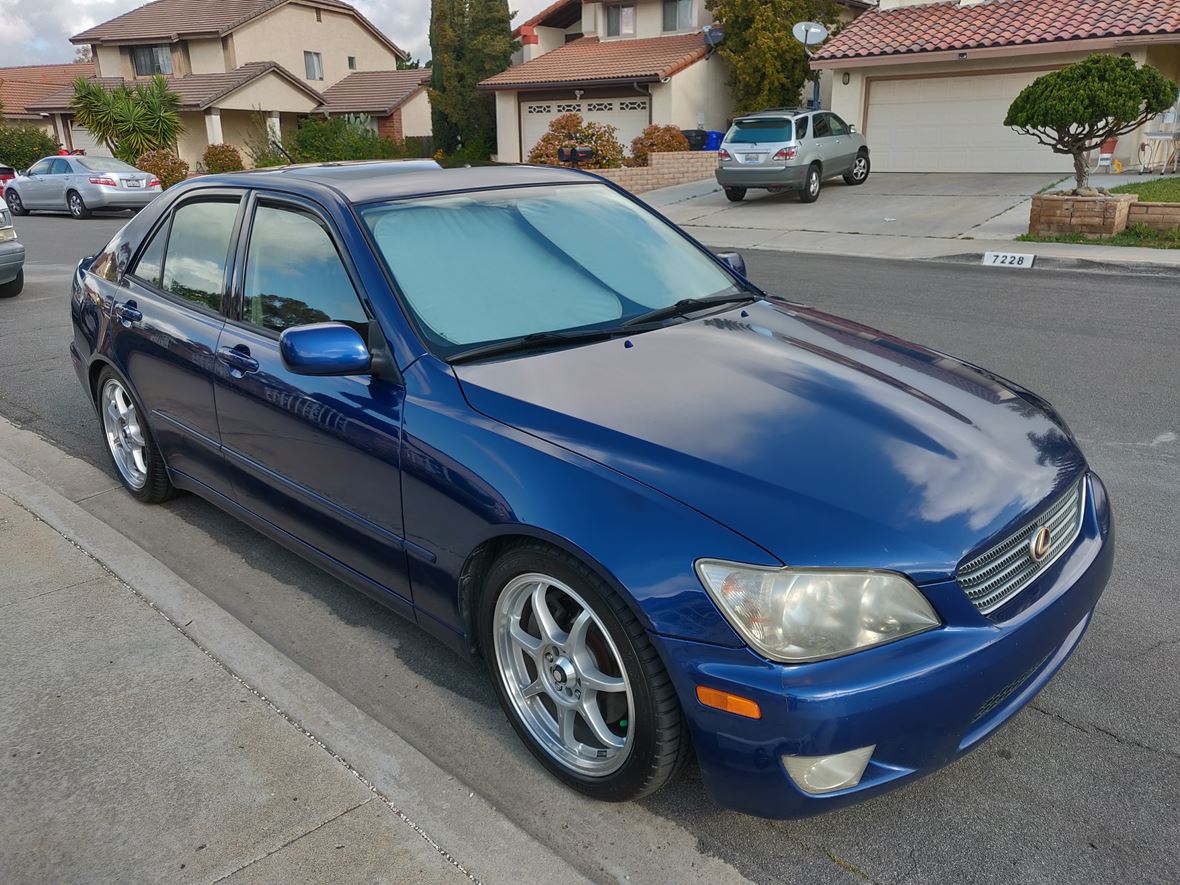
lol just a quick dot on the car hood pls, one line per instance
(823, 441)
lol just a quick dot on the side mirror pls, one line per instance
(735, 261)
(852, 128)
(324, 349)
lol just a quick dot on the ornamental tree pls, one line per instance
(1074, 110)
(129, 120)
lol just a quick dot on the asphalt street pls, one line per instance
(1084, 785)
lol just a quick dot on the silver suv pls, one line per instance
(783, 148)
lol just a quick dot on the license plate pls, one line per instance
(754, 158)
(132, 183)
(1008, 259)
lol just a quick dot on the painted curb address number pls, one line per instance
(1008, 259)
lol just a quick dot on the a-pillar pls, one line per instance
(213, 126)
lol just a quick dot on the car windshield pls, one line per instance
(488, 266)
(750, 131)
(104, 164)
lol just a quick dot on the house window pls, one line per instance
(620, 21)
(319, 16)
(677, 15)
(313, 66)
(352, 62)
(149, 60)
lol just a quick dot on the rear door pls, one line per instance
(167, 319)
(56, 183)
(319, 457)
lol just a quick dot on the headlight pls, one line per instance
(6, 234)
(796, 615)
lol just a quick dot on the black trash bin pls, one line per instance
(696, 138)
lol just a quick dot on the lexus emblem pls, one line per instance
(1039, 544)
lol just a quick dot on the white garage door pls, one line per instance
(629, 115)
(953, 124)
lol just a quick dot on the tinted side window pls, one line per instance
(294, 275)
(194, 266)
(839, 127)
(41, 168)
(822, 129)
(801, 124)
(59, 167)
(151, 260)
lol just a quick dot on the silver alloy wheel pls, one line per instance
(860, 169)
(14, 203)
(120, 421)
(76, 205)
(813, 182)
(558, 665)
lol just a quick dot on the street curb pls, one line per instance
(461, 825)
(1056, 262)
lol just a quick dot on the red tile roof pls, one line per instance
(196, 91)
(592, 61)
(29, 84)
(937, 27)
(59, 74)
(373, 92)
(167, 20)
(556, 6)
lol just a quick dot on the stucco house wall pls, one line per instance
(416, 115)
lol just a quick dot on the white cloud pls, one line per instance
(38, 31)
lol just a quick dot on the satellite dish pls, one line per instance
(810, 33)
(713, 35)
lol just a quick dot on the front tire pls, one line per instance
(735, 194)
(809, 193)
(130, 444)
(77, 206)
(859, 173)
(14, 286)
(578, 677)
(15, 205)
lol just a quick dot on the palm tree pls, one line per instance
(129, 120)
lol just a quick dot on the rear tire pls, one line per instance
(859, 173)
(809, 193)
(130, 443)
(15, 205)
(14, 286)
(735, 194)
(77, 206)
(544, 666)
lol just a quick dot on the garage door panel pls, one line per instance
(952, 124)
(629, 116)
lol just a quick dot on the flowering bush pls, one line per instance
(570, 130)
(221, 158)
(165, 165)
(656, 139)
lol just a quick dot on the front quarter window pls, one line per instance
(487, 266)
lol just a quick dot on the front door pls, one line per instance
(167, 319)
(319, 457)
(35, 186)
(844, 145)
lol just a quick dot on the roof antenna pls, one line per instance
(278, 146)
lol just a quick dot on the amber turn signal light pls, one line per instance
(730, 703)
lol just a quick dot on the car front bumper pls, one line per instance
(759, 177)
(12, 259)
(921, 702)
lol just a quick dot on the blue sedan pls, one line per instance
(675, 516)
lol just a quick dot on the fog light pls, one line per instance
(824, 774)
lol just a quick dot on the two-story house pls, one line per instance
(228, 59)
(628, 63)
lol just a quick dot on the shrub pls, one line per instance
(656, 139)
(22, 146)
(1075, 109)
(165, 165)
(328, 139)
(221, 158)
(570, 130)
(259, 147)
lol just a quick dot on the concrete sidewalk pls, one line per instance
(148, 736)
(918, 217)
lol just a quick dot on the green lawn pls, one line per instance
(1152, 190)
(1140, 235)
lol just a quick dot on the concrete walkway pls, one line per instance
(148, 736)
(894, 215)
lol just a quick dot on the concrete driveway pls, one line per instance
(943, 206)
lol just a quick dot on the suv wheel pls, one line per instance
(735, 194)
(77, 205)
(809, 193)
(578, 677)
(859, 172)
(15, 206)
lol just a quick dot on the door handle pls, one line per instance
(128, 312)
(239, 358)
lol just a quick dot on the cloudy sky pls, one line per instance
(38, 31)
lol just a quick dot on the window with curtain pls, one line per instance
(620, 21)
(678, 15)
(491, 265)
(313, 66)
(150, 60)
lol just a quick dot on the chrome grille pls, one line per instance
(995, 576)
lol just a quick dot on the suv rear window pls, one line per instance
(765, 129)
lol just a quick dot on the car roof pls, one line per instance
(775, 112)
(360, 182)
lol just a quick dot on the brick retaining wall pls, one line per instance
(664, 170)
(1161, 216)
(1096, 217)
